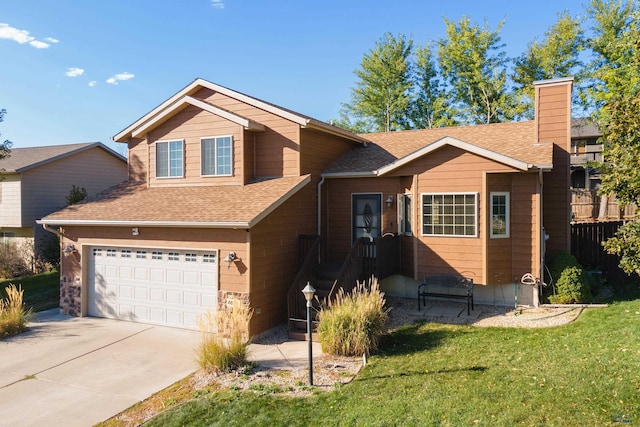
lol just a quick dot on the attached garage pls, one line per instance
(169, 287)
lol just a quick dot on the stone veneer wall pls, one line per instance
(70, 296)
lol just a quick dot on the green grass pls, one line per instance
(583, 373)
(41, 292)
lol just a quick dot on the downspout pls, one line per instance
(320, 205)
(543, 242)
(52, 230)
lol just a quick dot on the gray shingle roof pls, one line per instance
(21, 159)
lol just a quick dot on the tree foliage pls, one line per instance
(615, 93)
(5, 147)
(430, 107)
(473, 63)
(557, 55)
(77, 194)
(380, 100)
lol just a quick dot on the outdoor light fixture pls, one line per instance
(68, 250)
(135, 231)
(389, 201)
(230, 258)
(308, 292)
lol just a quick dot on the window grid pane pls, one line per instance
(449, 214)
(216, 156)
(499, 215)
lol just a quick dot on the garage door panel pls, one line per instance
(111, 271)
(157, 275)
(157, 315)
(174, 297)
(122, 291)
(157, 295)
(125, 272)
(167, 287)
(191, 298)
(174, 277)
(141, 273)
(209, 279)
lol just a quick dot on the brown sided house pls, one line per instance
(223, 189)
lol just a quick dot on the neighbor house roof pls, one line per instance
(22, 159)
(134, 204)
(177, 101)
(584, 127)
(509, 143)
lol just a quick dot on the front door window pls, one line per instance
(366, 214)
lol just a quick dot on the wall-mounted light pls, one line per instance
(68, 250)
(389, 201)
(230, 258)
(135, 231)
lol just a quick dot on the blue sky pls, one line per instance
(79, 71)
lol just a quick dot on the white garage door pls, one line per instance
(160, 286)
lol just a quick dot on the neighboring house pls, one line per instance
(223, 187)
(585, 147)
(36, 181)
(586, 204)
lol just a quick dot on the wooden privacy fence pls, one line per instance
(585, 206)
(586, 245)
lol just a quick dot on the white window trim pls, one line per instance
(401, 198)
(453, 193)
(508, 214)
(169, 165)
(216, 166)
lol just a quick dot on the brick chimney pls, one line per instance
(553, 125)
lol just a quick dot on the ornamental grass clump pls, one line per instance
(225, 337)
(353, 324)
(13, 316)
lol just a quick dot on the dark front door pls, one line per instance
(365, 214)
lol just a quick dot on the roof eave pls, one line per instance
(134, 223)
(368, 174)
(454, 142)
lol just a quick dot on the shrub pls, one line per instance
(354, 323)
(13, 316)
(13, 262)
(572, 287)
(225, 337)
(562, 261)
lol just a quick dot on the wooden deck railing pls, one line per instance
(310, 262)
(380, 258)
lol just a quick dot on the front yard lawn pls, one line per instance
(583, 373)
(41, 291)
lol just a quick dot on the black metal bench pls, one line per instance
(446, 286)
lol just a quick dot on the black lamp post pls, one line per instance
(308, 292)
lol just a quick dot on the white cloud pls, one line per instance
(218, 4)
(38, 44)
(21, 36)
(120, 77)
(52, 40)
(92, 83)
(74, 72)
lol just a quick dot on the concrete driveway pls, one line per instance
(71, 371)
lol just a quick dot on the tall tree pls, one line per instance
(380, 100)
(557, 55)
(5, 147)
(615, 92)
(473, 63)
(430, 105)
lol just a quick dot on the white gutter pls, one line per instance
(133, 223)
